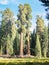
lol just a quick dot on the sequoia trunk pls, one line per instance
(21, 44)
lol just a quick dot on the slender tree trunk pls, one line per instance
(45, 54)
(21, 44)
(28, 46)
(1, 50)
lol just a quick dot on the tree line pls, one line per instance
(16, 37)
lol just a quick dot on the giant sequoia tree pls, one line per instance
(21, 26)
(8, 30)
(24, 24)
(28, 25)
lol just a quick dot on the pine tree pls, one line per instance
(38, 47)
(45, 42)
(40, 29)
(16, 44)
(33, 42)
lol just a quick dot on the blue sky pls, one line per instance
(37, 9)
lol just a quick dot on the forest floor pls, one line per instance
(24, 61)
(17, 60)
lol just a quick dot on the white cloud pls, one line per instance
(43, 14)
(46, 22)
(15, 17)
(4, 2)
(33, 26)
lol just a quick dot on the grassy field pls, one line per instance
(24, 61)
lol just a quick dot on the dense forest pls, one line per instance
(16, 37)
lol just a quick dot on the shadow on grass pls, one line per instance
(26, 63)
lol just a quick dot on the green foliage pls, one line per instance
(46, 4)
(16, 37)
(16, 44)
(33, 42)
(38, 47)
(8, 31)
(7, 14)
(40, 30)
(40, 25)
(48, 40)
(28, 25)
(23, 21)
(45, 42)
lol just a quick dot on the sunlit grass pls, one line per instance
(18, 60)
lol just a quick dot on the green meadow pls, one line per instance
(24, 61)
